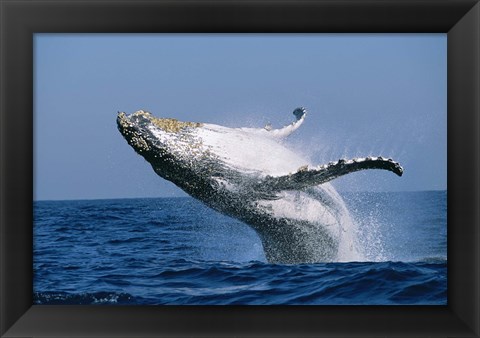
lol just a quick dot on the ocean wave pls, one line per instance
(96, 298)
(433, 260)
(227, 283)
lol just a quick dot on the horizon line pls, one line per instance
(157, 197)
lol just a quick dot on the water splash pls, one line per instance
(369, 234)
(317, 213)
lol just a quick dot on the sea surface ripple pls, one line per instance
(176, 251)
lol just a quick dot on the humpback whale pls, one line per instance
(249, 174)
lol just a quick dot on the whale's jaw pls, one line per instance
(141, 132)
(171, 148)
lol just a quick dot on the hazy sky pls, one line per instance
(373, 95)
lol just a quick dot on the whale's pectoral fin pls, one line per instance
(299, 113)
(306, 177)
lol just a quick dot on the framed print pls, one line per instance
(383, 84)
(249, 217)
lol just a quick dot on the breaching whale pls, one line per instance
(248, 174)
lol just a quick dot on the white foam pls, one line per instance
(249, 149)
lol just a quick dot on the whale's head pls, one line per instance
(158, 140)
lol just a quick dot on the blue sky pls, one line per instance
(383, 94)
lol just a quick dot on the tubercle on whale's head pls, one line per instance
(137, 130)
(132, 132)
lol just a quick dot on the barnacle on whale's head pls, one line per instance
(166, 124)
(173, 125)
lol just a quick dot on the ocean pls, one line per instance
(177, 251)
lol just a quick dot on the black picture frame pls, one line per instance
(19, 20)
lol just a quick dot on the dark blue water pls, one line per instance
(177, 251)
